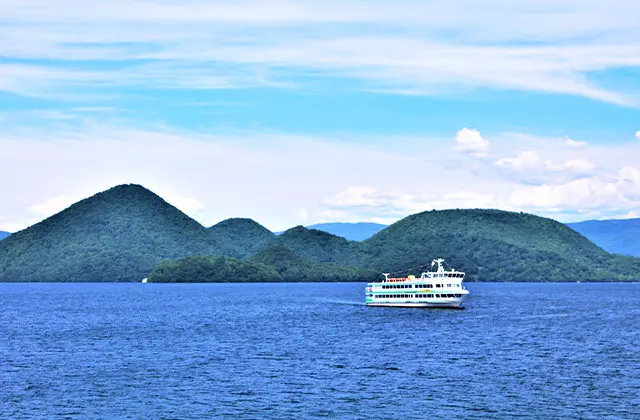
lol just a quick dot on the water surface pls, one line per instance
(314, 350)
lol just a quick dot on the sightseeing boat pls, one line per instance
(433, 289)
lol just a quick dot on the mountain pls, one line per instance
(273, 264)
(294, 268)
(210, 269)
(493, 245)
(321, 247)
(4, 235)
(245, 235)
(350, 231)
(123, 233)
(117, 235)
(617, 236)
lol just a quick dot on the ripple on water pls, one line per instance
(316, 351)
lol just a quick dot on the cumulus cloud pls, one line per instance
(581, 193)
(526, 160)
(579, 166)
(638, 134)
(369, 204)
(574, 143)
(471, 141)
(199, 173)
(620, 191)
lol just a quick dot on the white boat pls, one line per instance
(433, 289)
(144, 280)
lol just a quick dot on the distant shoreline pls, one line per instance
(314, 282)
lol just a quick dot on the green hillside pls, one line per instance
(294, 268)
(244, 235)
(118, 235)
(274, 264)
(209, 269)
(321, 247)
(493, 245)
(122, 234)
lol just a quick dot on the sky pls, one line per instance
(299, 112)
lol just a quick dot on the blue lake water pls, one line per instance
(315, 351)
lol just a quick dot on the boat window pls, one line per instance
(448, 285)
(429, 286)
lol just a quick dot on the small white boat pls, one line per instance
(433, 289)
(144, 280)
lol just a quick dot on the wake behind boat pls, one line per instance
(433, 289)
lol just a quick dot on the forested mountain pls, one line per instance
(117, 235)
(618, 236)
(122, 234)
(210, 269)
(245, 235)
(273, 264)
(493, 245)
(294, 268)
(351, 231)
(3, 235)
(319, 246)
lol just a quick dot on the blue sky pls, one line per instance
(318, 111)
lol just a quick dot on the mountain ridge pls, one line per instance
(116, 235)
(619, 236)
(124, 233)
(352, 231)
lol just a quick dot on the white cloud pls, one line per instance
(526, 160)
(638, 134)
(629, 181)
(53, 205)
(575, 143)
(581, 193)
(356, 196)
(303, 214)
(396, 46)
(187, 205)
(579, 166)
(633, 214)
(213, 177)
(209, 177)
(368, 204)
(471, 141)
(614, 192)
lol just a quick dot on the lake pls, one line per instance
(295, 351)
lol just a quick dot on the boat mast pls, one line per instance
(439, 261)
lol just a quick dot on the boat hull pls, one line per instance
(457, 304)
